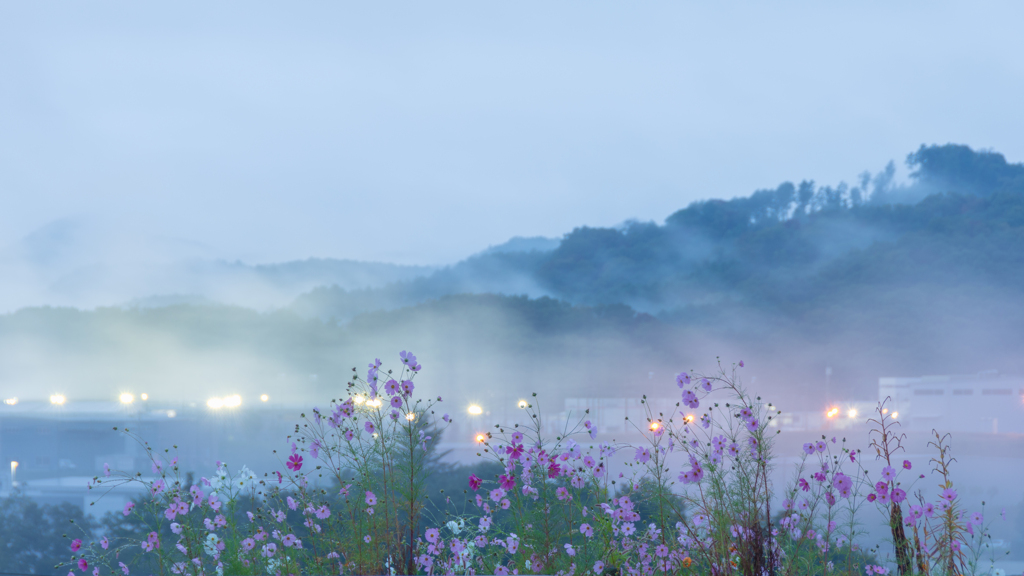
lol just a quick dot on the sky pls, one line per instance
(421, 133)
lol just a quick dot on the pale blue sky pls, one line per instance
(423, 132)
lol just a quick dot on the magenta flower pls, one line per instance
(294, 463)
(752, 425)
(396, 401)
(248, 544)
(76, 545)
(842, 482)
(82, 564)
(804, 485)
(872, 497)
(820, 446)
(741, 363)
(889, 473)
(554, 470)
(507, 482)
(948, 495)
(898, 495)
(474, 482)
(906, 465)
(809, 448)
(371, 498)
(432, 534)
(515, 451)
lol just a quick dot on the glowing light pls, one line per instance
(215, 403)
(832, 413)
(688, 418)
(171, 413)
(58, 399)
(480, 438)
(895, 415)
(233, 401)
(126, 398)
(655, 426)
(11, 401)
(358, 399)
(852, 413)
(475, 410)
(264, 397)
(375, 403)
(523, 404)
(410, 416)
(885, 410)
(144, 396)
(14, 466)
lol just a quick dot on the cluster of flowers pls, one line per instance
(553, 508)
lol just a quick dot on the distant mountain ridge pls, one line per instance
(773, 248)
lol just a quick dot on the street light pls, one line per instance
(58, 399)
(126, 398)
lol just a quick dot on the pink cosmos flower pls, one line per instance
(123, 568)
(888, 473)
(432, 534)
(76, 545)
(248, 544)
(369, 427)
(643, 455)
(407, 388)
(474, 482)
(508, 482)
(587, 530)
(898, 495)
(396, 401)
(294, 463)
(82, 564)
(809, 448)
(128, 508)
(906, 465)
(104, 543)
(690, 399)
(371, 498)
(820, 446)
(682, 379)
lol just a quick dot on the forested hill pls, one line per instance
(789, 249)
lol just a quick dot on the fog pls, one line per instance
(570, 208)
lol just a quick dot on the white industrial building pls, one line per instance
(986, 402)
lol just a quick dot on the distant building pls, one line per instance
(985, 402)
